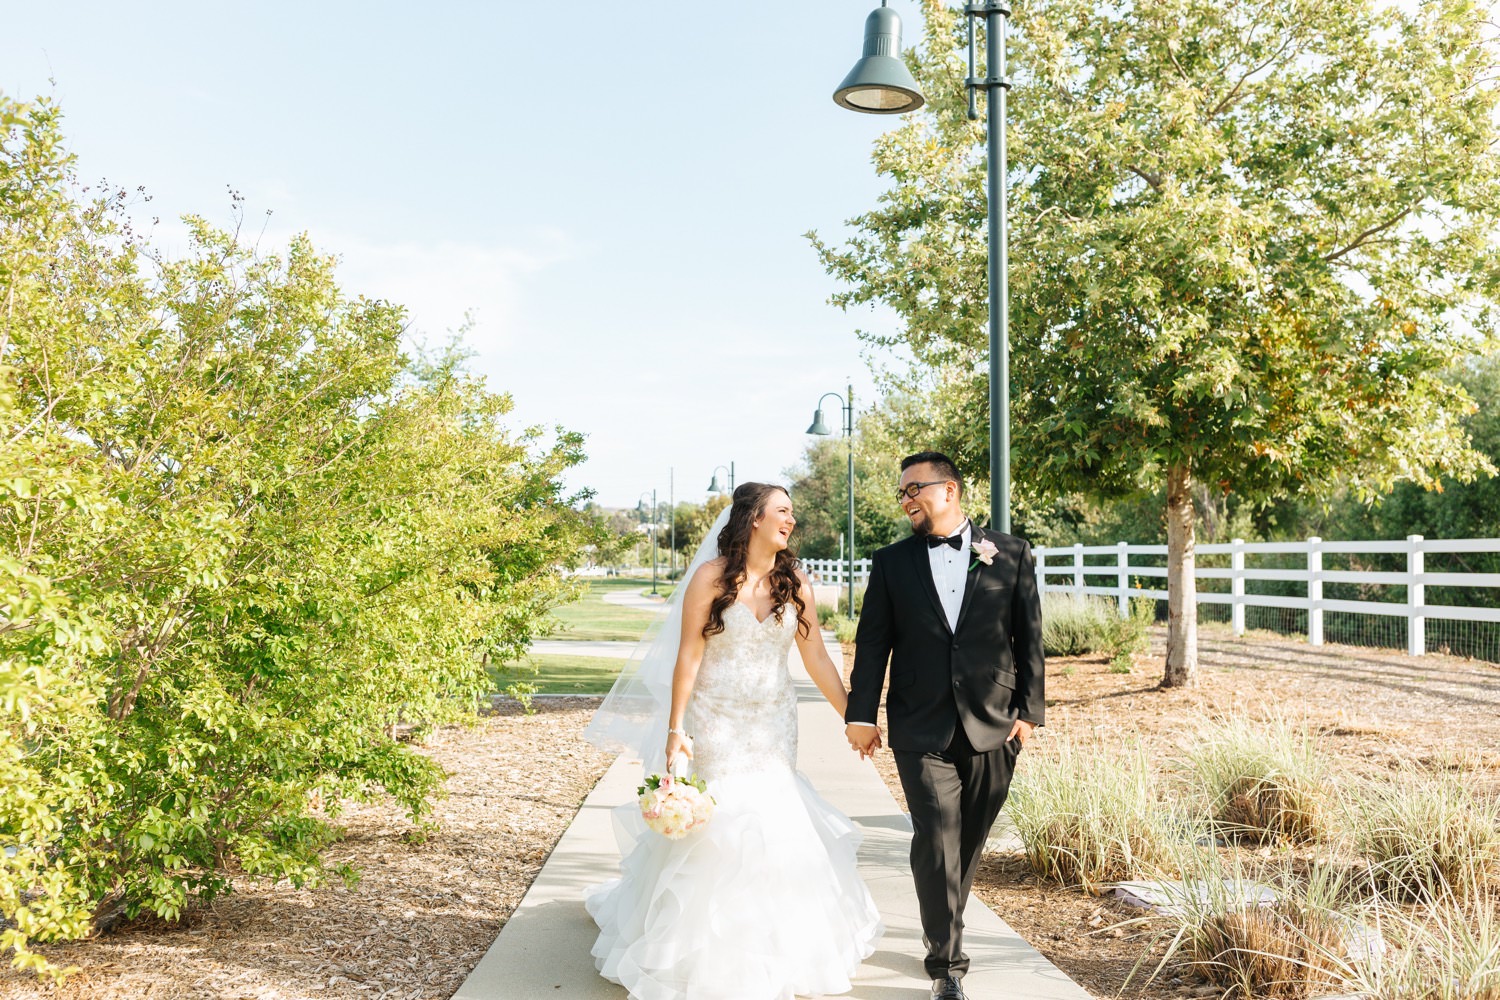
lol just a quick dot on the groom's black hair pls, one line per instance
(941, 464)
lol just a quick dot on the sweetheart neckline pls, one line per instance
(758, 620)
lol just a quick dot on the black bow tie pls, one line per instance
(957, 541)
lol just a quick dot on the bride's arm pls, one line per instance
(695, 603)
(828, 678)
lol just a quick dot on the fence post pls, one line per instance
(1122, 584)
(1416, 597)
(1237, 586)
(1078, 570)
(1315, 591)
(1041, 568)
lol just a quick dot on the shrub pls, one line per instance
(1261, 779)
(1074, 626)
(247, 539)
(826, 614)
(1088, 816)
(859, 601)
(845, 629)
(1426, 838)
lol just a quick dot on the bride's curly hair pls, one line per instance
(750, 500)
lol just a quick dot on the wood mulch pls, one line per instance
(1374, 711)
(425, 912)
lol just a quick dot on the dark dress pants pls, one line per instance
(954, 797)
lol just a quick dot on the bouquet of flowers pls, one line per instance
(675, 806)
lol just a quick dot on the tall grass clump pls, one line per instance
(1089, 815)
(1304, 943)
(1262, 779)
(1443, 951)
(1426, 838)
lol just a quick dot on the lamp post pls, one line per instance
(880, 84)
(713, 483)
(819, 427)
(641, 509)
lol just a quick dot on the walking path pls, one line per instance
(543, 950)
(631, 599)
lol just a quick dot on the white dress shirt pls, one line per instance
(950, 575)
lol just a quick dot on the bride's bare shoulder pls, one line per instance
(706, 577)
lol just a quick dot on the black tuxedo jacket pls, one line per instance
(983, 674)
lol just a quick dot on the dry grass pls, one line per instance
(1371, 713)
(1262, 778)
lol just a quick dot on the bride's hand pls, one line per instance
(678, 744)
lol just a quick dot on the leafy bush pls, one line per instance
(1089, 816)
(1074, 626)
(859, 601)
(244, 541)
(1261, 779)
(845, 629)
(826, 614)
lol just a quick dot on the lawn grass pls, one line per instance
(562, 674)
(590, 618)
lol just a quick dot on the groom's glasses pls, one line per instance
(910, 490)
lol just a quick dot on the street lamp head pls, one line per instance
(818, 426)
(713, 484)
(880, 83)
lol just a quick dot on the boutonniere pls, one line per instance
(984, 552)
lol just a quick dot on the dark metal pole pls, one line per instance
(996, 14)
(999, 276)
(849, 434)
(654, 526)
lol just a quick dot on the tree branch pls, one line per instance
(1364, 237)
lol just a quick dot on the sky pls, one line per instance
(617, 194)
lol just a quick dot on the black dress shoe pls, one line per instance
(947, 988)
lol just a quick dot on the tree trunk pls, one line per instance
(1182, 585)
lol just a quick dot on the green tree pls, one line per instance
(244, 544)
(1248, 239)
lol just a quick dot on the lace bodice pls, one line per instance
(743, 714)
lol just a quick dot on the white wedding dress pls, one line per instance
(764, 903)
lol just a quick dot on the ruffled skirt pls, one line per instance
(764, 903)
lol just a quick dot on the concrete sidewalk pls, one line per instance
(543, 951)
(631, 599)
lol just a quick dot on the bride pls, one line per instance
(764, 903)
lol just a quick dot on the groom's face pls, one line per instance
(934, 504)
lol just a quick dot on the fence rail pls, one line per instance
(1126, 574)
(829, 571)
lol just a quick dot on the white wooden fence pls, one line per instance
(1086, 568)
(1414, 578)
(829, 571)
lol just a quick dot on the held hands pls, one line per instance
(865, 739)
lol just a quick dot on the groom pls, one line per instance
(955, 611)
